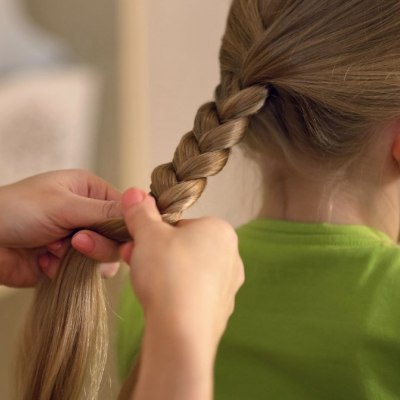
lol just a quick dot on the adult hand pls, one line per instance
(186, 274)
(186, 278)
(38, 214)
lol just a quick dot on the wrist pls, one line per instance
(190, 329)
(183, 332)
(174, 364)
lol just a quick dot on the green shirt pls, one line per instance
(318, 316)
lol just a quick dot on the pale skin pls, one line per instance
(369, 196)
(186, 277)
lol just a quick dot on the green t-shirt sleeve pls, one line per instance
(129, 329)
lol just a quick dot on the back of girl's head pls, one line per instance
(332, 66)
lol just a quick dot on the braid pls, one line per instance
(204, 151)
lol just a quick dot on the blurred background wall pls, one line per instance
(89, 29)
(145, 67)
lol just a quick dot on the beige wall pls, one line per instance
(175, 54)
(168, 54)
(89, 28)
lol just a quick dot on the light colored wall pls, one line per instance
(89, 28)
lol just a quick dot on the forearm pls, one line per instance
(174, 365)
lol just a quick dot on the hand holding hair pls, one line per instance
(40, 212)
(186, 277)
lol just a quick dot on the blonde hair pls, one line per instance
(312, 77)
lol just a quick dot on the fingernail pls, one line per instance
(132, 197)
(83, 242)
(44, 261)
(55, 245)
(108, 270)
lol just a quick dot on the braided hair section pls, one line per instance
(204, 151)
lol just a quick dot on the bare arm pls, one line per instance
(175, 364)
(186, 277)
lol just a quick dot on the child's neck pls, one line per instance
(292, 199)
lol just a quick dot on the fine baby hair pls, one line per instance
(312, 79)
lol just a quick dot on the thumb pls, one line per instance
(140, 211)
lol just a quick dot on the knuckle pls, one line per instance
(110, 209)
(228, 233)
(241, 279)
(241, 275)
(222, 231)
(220, 226)
(107, 210)
(231, 307)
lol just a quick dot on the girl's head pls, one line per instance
(333, 69)
(303, 83)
